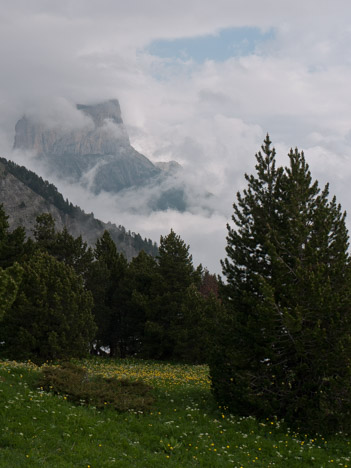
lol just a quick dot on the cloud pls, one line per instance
(210, 116)
(58, 112)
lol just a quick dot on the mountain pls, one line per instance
(170, 167)
(94, 151)
(25, 195)
(97, 153)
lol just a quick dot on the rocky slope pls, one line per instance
(24, 196)
(97, 154)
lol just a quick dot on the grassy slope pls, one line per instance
(184, 429)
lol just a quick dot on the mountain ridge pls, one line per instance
(24, 195)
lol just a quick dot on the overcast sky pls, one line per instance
(199, 81)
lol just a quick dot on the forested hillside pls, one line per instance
(25, 195)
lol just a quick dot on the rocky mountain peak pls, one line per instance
(98, 154)
(107, 135)
(108, 110)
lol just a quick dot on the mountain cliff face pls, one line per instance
(103, 133)
(98, 155)
(24, 196)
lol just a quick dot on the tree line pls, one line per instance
(276, 331)
(61, 298)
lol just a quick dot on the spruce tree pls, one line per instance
(285, 348)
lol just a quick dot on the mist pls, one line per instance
(208, 113)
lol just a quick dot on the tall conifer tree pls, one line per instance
(165, 316)
(104, 281)
(285, 348)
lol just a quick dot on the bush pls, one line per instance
(79, 387)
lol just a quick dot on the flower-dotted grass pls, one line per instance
(184, 428)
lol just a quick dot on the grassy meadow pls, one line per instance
(184, 427)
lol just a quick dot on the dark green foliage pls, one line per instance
(12, 250)
(176, 264)
(73, 252)
(284, 348)
(62, 245)
(125, 240)
(104, 281)
(166, 307)
(141, 244)
(9, 282)
(45, 233)
(51, 316)
(12, 244)
(122, 295)
(196, 326)
(78, 386)
(136, 287)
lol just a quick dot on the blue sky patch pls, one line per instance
(233, 42)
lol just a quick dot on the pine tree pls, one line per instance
(176, 263)
(62, 245)
(165, 318)
(12, 244)
(51, 316)
(45, 232)
(285, 347)
(73, 252)
(104, 281)
(200, 318)
(137, 287)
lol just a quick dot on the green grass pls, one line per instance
(183, 429)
